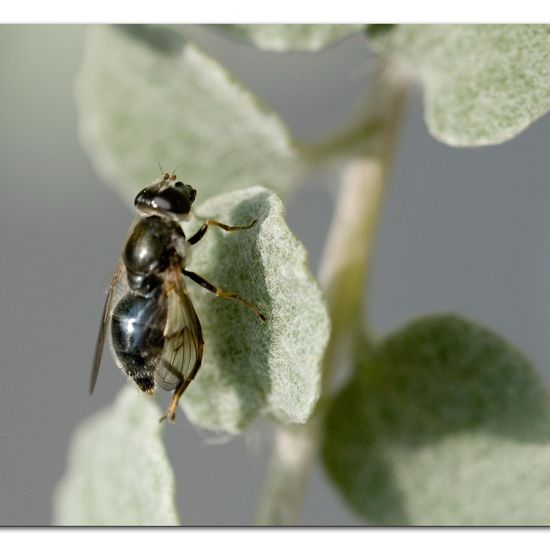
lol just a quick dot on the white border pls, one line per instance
(285, 11)
(276, 539)
(282, 11)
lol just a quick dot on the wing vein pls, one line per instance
(182, 353)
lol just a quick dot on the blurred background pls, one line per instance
(463, 230)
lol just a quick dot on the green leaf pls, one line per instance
(251, 368)
(445, 424)
(118, 471)
(147, 95)
(283, 38)
(484, 84)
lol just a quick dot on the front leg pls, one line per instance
(223, 294)
(200, 233)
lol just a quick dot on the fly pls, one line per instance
(156, 336)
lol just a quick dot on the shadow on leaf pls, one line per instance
(439, 383)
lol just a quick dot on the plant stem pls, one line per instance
(343, 276)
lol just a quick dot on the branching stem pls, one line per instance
(343, 277)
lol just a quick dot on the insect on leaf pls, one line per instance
(249, 367)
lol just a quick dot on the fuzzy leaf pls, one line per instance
(147, 95)
(446, 424)
(118, 471)
(250, 367)
(283, 38)
(484, 84)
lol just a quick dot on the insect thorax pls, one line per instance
(153, 244)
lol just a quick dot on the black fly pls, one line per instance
(156, 335)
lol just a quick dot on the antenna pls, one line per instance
(174, 170)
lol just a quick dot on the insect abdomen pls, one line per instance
(137, 326)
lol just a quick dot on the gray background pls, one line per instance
(462, 230)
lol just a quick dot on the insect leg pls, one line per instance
(170, 413)
(223, 294)
(202, 230)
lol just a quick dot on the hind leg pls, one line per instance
(223, 294)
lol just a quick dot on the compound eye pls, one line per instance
(173, 201)
(186, 190)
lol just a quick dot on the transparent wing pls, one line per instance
(116, 282)
(182, 353)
